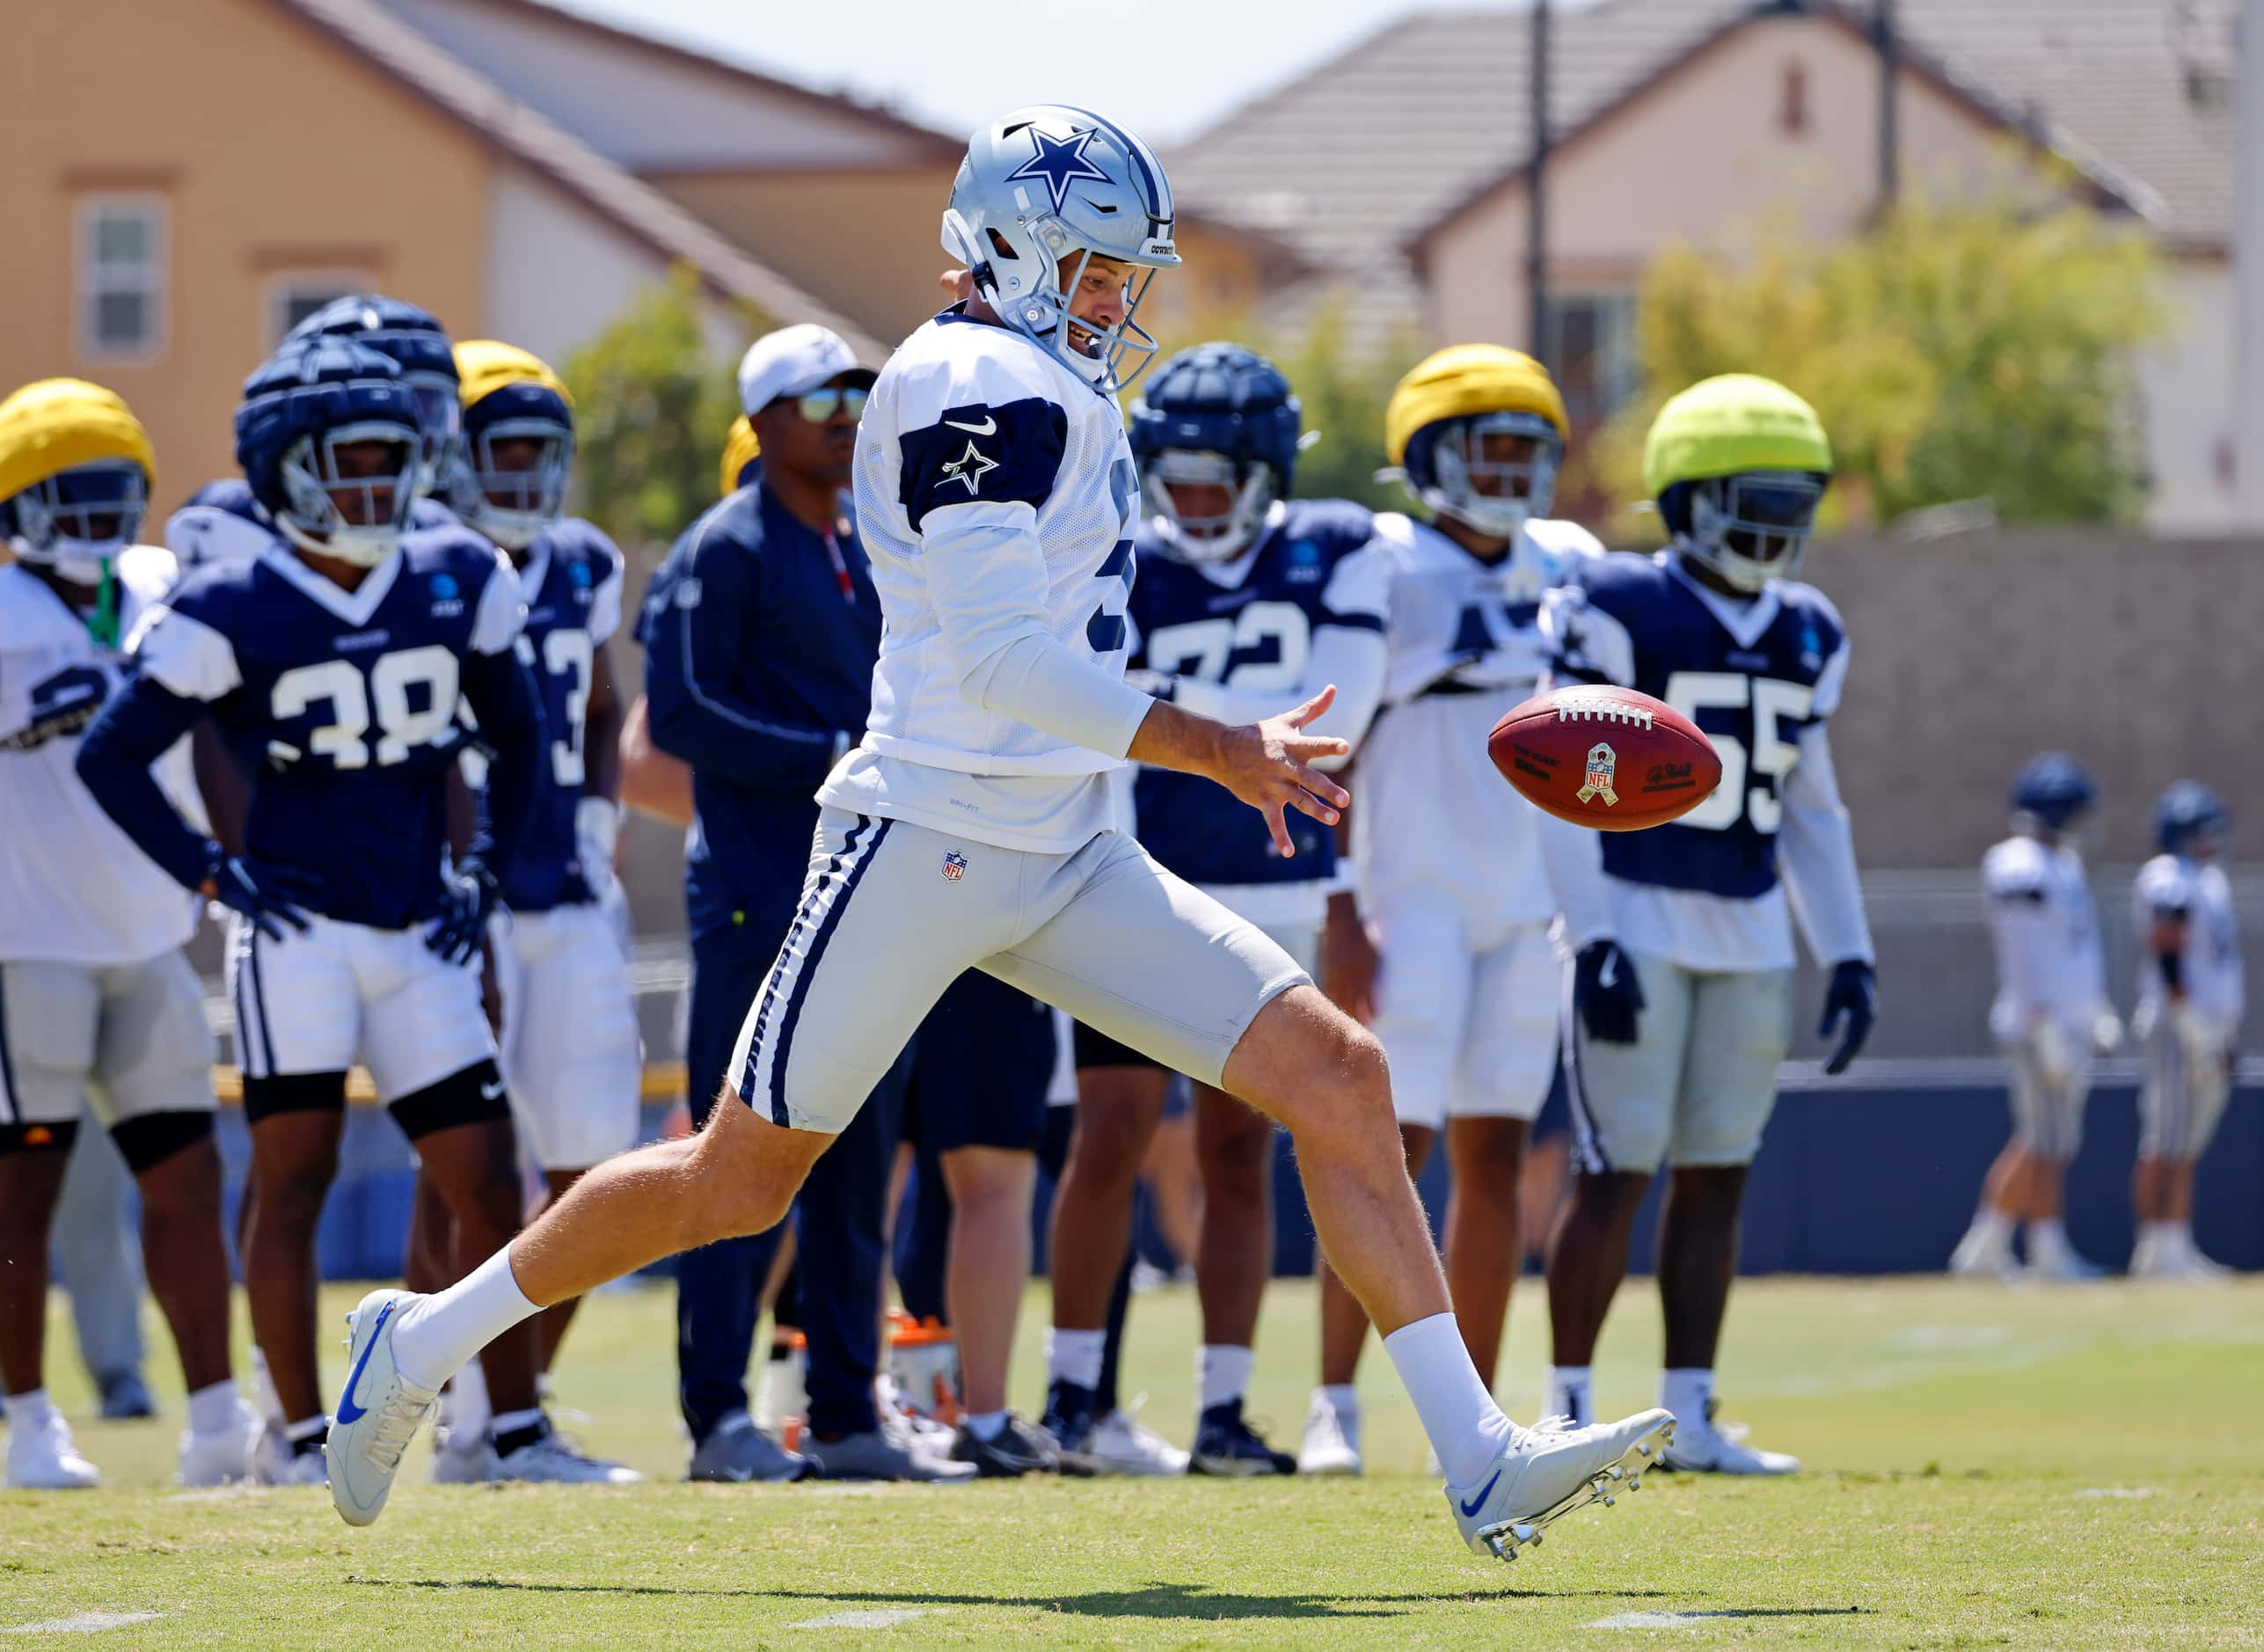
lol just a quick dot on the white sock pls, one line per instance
(986, 1426)
(306, 1429)
(472, 1413)
(1686, 1392)
(2048, 1242)
(1572, 1393)
(29, 1407)
(1074, 1356)
(212, 1409)
(512, 1421)
(263, 1390)
(1992, 1225)
(1466, 1429)
(1223, 1373)
(1341, 1398)
(436, 1334)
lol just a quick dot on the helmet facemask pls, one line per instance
(512, 503)
(1219, 537)
(77, 521)
(332, 509)
(1021, 280)
(1752, 527)
(440, 424)
(1472, 480)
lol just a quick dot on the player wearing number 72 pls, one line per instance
(333, 663)
(1680, 1001)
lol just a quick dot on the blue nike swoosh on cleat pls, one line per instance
(1468, 1508)
(347, 1411)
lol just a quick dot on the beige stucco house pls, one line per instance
(1701, 121)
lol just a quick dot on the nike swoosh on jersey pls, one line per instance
(489, 1092)
(985, 429)
(1473, 1505)
(347, 1411)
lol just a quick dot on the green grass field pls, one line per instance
(2040, 1467)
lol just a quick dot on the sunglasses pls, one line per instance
(820, 405)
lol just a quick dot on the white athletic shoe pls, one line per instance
(1699, 1447)
(224, 1457)
(1550, 1470)
(378, 1415)
(1332, 1442)
(1120, 1446)
(273, 1462)
(42, 1458)
(551, 1459)
(458, 1464)
(1981, 1255)
(2174, 1258)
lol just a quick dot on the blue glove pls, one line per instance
(467, 900)
(1851, 998)
(1606, 992)
(265, 895)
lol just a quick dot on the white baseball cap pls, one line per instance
(793, 361)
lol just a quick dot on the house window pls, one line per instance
(121, 277)
(1793, 107)
(290, 299)
(1589, 345)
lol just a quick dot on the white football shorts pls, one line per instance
(1467, 1016)
(570, 1049)
(130, 1040)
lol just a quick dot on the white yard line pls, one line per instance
(869, 1617)
(84, 1623)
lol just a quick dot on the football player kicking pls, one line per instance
(976, 826)
(1678, 1004)
(1247, 605)
(2050, 1018)
(2190, 1001)
(570, 1051)
(333, 664)
(1461, 979)
(96, 1000)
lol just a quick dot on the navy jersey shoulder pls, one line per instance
(344, 712)
(1753, 691)
(1260, 630)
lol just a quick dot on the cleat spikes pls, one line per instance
(1635, 1483)
(1611, 1502)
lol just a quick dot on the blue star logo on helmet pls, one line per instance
(444, 586)
(1060, 162)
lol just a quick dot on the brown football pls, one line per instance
(1604, 756)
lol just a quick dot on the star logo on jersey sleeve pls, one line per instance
(970, 467)
(1060, 162)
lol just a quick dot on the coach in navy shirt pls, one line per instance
(761, 630)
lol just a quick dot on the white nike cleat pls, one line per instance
(455, 1465)
(550, 1460)
(1119, 1444)
(221, 1458)
(378, 1415)
(1982, 1256)
(41, 1456)
(1332, 1441)
(1702, 1448)
(1551, 1470)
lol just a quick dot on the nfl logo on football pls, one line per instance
(1603, 763)
(954, 866)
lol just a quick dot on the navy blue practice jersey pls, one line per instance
(1314, 568)
(341, 707)
(1751, 675)
(571, 581)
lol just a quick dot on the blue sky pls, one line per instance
(1165, 68)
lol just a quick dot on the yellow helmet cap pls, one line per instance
(1728, 424)
(59, 424)
(1465, 379)
(484, 366)
(740, 449)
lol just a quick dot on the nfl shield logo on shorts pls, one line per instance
(1603, 763)
(954, 866)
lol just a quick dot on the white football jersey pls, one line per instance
(2046, 931)
(1463, 645)
(2215, 981)
(73, 887)
(996, 498)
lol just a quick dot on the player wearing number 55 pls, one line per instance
(334, 663)
(1680, 1001)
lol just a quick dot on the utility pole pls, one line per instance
(2248, 269)
(1537, 192)
(1890, 140)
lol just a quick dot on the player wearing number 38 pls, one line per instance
(1680, 1006)
(334, 664)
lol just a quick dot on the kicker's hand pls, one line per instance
(1268, 765)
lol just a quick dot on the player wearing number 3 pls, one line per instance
(1678, 1005)
(333, 663)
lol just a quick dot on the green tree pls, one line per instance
(652, 408)
(1954, 352)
